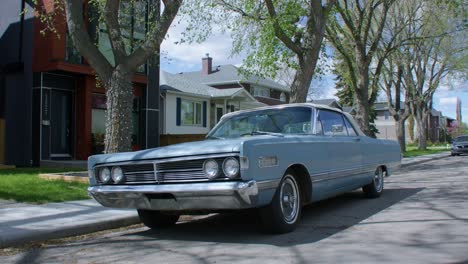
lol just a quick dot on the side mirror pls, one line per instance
(337, 129)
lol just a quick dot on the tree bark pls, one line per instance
(400, 131)
(304, 75)
(421, 116)
(119, 94)
(362, 94)
(302, 79)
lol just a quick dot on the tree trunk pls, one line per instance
(411, 128)
(400, 133)
(422, 137)
(362, 107)
(300, 86)
(119, 111)
(361, 100)
(305, 73)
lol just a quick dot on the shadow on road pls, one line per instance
(319, 221)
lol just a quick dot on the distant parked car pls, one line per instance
(460, 145)
(275, 159)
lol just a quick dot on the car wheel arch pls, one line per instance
(303, 177)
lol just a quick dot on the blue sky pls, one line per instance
(187, 57)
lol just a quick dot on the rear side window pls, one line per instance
(332, 123)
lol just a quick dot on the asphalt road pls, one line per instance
(422, 217)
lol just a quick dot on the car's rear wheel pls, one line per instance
(375, 188)
(283, 213)
(157, 219)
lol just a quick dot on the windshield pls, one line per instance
(276, 122)
(462, 139)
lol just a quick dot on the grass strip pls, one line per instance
(417, 152)
(24, 185)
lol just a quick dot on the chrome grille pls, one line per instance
(166, 172)
(140, 173)
(181, 171)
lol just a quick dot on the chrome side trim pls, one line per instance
(324, 176)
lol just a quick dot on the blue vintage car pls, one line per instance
(275, 159)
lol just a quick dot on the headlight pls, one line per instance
(211, 169)
(105, 175)
(117, 174)
(231, 167)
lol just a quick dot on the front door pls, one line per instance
(61, 124)
(219, 113)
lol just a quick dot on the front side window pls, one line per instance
(332, 123)
(292, 120)
(191, 112)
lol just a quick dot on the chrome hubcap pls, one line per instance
(378, 180)
(289, 196)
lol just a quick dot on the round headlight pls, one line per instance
(105, 175)
(211, 169)
(231, 167)
(117, 174)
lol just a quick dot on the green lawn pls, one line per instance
(24, 185)
(414, 151)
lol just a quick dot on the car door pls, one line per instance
(343, 150)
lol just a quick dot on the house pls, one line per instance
(191, 109)
(263, 90)
(385, 123)
(16, 33)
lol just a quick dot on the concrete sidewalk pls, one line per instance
(22, 223)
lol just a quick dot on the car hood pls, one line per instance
(204, 147)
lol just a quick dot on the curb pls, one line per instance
(80, 229)
(439, 156)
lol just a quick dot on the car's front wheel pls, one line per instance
(375, 188)
(157, 219)
(283, 213)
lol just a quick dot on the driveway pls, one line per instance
(422, 217)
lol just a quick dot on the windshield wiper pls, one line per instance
(212, 137)
(257, 132)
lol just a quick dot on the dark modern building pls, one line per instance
(51, 107)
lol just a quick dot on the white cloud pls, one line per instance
(184, 56)
(448, 101)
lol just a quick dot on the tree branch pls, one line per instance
(239, 10)
(295, 47)
(156, 36)
(82, 41)
(111, 15)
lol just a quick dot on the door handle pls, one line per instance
(357, 139)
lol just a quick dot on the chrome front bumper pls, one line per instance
(174, 197)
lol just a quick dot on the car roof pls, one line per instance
(309, 105)
(282, 106)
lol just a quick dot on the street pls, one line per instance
(422, 217)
